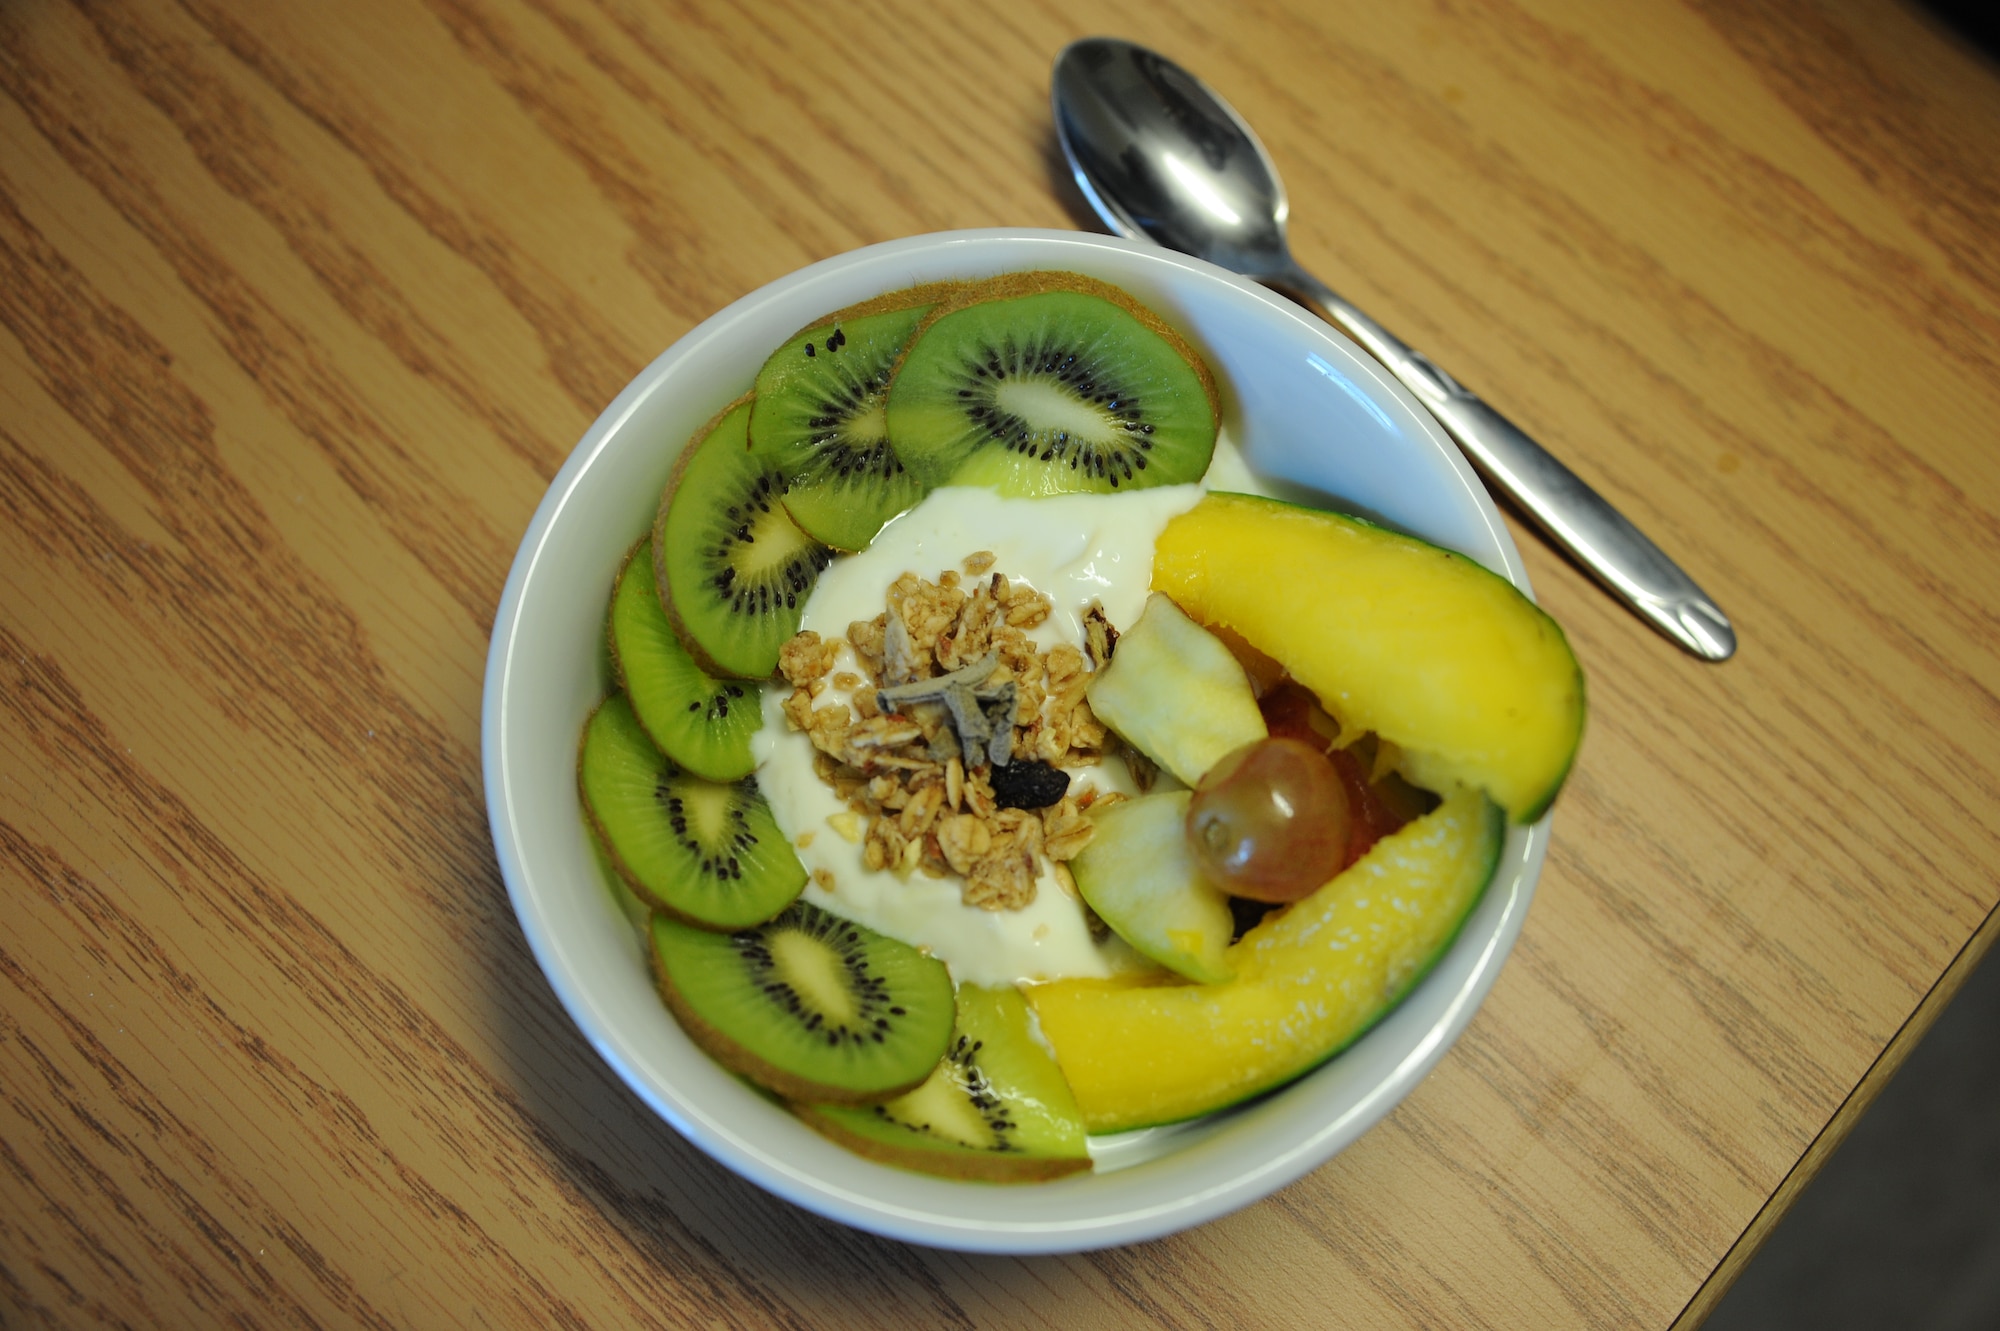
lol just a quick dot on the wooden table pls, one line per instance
(305, 304)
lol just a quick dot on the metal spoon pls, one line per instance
(1160, 156)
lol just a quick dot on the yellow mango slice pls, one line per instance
(1309, 980)
(1424, 647)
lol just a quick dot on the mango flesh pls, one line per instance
(1422, 646)
(1309, 980)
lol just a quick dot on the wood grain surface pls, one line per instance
(303, 305)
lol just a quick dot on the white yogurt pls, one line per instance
(1075, 549)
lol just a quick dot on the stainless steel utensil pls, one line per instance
(1160, 156)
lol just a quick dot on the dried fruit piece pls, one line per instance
(1028, 784)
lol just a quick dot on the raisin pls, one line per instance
(1028, 785)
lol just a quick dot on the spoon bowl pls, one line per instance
(1161, 157)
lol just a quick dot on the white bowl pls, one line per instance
(1313, 413)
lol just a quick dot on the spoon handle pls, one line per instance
(1573, 515)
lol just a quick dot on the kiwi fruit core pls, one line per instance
(734, 570)
(809, 1005)
(1051, 383)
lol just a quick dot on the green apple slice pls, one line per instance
(1173, 691)
(1137, 875)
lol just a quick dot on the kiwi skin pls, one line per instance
(924, 293)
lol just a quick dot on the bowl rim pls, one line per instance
(1477, 967)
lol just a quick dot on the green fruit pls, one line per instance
(734, 569)
(808, 1005)
(1137, 875)
(703, 851)
(1173, 691)
(702, 723)
(1052, 383)
(819, 418)
(996, 1109)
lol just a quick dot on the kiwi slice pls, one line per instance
(704, 851)
(1052, 383)
(734, 569)
(996, 1109)
(700, 722)
(808, 1005)
(819, 417)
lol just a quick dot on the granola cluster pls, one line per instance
(963, 684)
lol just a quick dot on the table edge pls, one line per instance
(1837, 1128)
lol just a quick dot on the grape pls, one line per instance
(1270, 821)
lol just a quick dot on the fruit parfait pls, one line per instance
(998, 771)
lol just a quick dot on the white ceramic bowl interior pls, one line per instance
(1316, 418)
